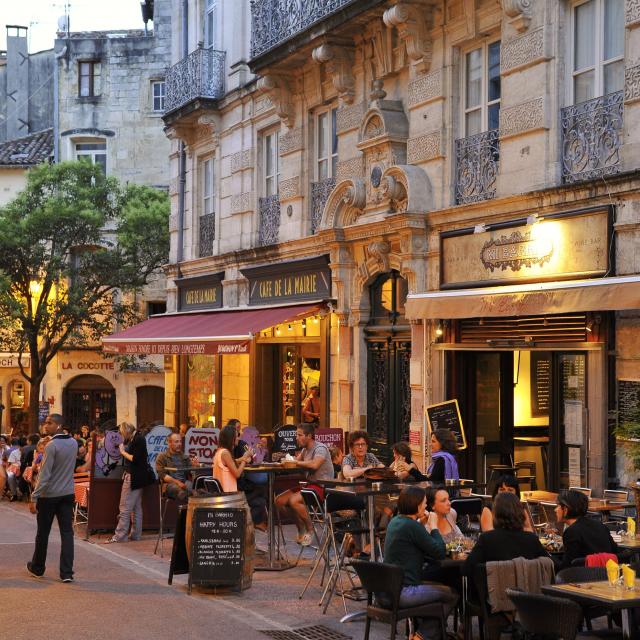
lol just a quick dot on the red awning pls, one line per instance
(211, 332)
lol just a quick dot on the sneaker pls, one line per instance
(305, 539)
(111, 540)
(67, 579)
(35, 574)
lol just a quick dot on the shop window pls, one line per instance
(89, 79)
(235, 387)
(93, 152)
(201, 394)
(481, 89)
(597, 48)
(158, 95)
(326, 145)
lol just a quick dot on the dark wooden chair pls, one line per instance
(385, 582)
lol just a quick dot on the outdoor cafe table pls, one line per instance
(596, 505)
(272, 469)
(601, 594)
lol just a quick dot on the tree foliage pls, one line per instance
(73, 244)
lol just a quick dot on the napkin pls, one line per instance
(613, 571)
(631, 527)
(629, 576)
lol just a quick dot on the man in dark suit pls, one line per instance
(582, 536)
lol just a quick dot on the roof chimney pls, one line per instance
(17, 82)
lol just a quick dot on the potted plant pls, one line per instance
(628, 436)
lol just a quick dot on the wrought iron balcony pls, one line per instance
(477, 159)
(269, 230)
(275, 21)
(591, 138)
(199, 75)
(207, 234)
(319, 193)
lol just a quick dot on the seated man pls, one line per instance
(175, 484)
(315, 457)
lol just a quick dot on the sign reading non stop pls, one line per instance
(201, 443)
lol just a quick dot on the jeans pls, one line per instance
(62, 509)
(172, 491)
(130, 511)
(12, 482)
(414, 595)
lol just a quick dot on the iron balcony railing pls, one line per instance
(275, 21)
(477, 159)
(319, 193)
(591, 138)
(199, 75)
(269, 210)
(207, 234)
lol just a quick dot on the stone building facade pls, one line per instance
(470, 170)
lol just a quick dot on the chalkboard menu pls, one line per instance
(573, 377)
(446, 415)
(284, 439)
(540, 376)
(217, 537)
(628, 401)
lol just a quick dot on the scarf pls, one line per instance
(450, 465)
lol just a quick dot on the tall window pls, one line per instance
(271, 164)
(94, 152)
(482, 89)
(326, 145)
(158, 93)
(598, 48)
(89, 76)
(206, 180)
(210, 11)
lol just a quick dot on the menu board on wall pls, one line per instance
(540, 376)
(573, 378)
(446, 415)
(628, 401)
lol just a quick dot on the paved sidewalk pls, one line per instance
(121, 592)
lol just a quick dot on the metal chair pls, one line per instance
(585, 490)
(530, 477)
(81, 511)
(163, 500)
(503, 450)
(549, 511)
(547, 616)
(385, 582)
(618, 495)
(211, 485)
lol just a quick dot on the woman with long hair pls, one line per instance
(135, 478)
(505, 484)
(441, 516)
(227, 470)
(444, 465)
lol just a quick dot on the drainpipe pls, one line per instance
(183, 154)
(56, 104)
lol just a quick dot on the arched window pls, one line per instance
(388, 297)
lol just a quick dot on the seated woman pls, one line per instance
(441, 516)
(402, 465)
(31, 472)
(227, 472)
(409, 544)
(508, 539)
(505, 484)
(443, 462)
(582, 536)
(359, 459)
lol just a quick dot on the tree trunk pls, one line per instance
(34, 407)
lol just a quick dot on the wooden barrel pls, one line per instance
(235, 500)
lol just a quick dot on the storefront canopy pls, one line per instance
(597, 294)
(213, 332)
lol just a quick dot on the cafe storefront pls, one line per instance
(256, 362)
(522, 332)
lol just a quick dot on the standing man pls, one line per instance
(54, 497)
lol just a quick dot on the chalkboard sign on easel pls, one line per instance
(446, 415)
(217, 537)
(284, 439)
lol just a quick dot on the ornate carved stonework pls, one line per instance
(277, 87)
(242, 202)
(345, 204)
(352, 168)
(349, 118)
(379, 251)
(523, 51)
(291, 141)
(289, 188)
(411, 22)
(632, 84)
(206, 126)
(242, 160)
(263, 103)
(519, 11)
(425, 88)
(526, 116)
(632, 13)
(425, 147)
(338, 62)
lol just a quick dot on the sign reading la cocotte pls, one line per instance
(289, 281)
(560, 247)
